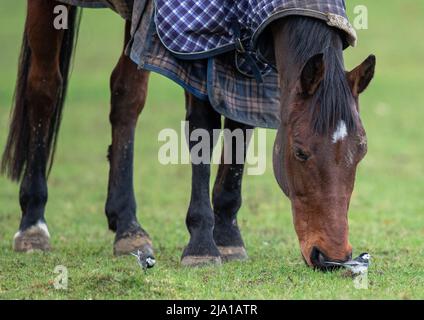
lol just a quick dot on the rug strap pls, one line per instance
(235, 26)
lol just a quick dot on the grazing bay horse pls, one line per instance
(318, 146)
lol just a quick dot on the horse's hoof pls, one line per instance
(232, 253)
(198, 261)
(34, 238)
(132, 243)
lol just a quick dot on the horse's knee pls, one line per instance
(124, 112)
(128, 92)
(43, 86)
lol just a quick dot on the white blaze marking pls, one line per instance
(340, 133)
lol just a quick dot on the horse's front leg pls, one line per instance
(129, 91)
(227, 191)
(202, 120)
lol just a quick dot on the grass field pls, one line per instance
(387, 209)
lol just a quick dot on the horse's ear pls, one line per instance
(312, 74)
(360, 77)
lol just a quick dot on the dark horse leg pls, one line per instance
(129, 91)
(227, 192)
(201, 248)
(35, 121)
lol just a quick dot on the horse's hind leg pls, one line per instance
(42, 87)
(128, 90)
(200, 220)
(227, 192)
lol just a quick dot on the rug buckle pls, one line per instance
(239, 46)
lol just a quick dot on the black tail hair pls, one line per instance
(15, 155)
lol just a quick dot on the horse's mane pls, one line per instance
(333, 99)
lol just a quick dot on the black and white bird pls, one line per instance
(359, 265)
(145, 261)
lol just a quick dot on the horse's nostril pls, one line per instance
(316, 256)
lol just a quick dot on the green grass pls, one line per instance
(387, 209)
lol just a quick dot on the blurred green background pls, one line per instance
(387, 209)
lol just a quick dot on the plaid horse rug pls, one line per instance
(198, 44)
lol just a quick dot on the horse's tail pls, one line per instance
(15, 155)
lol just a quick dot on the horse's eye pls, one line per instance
(300, 155)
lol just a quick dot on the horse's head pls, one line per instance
(319, 144)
